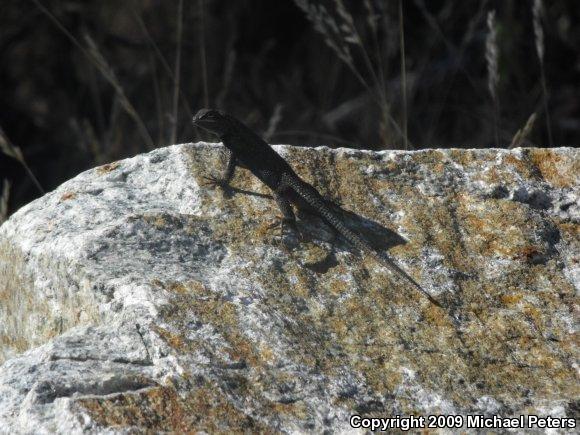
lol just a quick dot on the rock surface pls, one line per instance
(133, 297)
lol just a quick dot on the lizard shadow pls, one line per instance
(230, 191)
(314, 227)
(379, 237)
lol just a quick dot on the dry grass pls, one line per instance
(523, 133)
(538, 15)
(108, 73)
(337, 29)
(175, 118)
(11, 150)
(203, 56)
(4, 196)
(403, 74)
(168, 71)
(274, 122)
(428, 72)
(491, 57)
(340, 34)
(456, 52)
(93, 53)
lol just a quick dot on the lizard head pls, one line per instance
(214, 121)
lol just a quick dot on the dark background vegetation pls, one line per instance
(106, 89)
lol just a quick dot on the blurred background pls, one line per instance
(83, 83)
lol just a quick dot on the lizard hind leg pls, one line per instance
(288, 220)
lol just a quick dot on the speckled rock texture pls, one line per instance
(135, 298)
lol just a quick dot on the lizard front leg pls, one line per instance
(224, 180)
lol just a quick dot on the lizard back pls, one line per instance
(255, 154)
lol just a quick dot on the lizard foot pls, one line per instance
(212, 181)
(286, 226)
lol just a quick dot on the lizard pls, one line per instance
(247, 149)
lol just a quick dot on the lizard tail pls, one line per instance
(385, 260)
(315, 200)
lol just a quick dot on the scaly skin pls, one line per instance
(247, 149)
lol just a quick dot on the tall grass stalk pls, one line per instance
(14, 151)
(538, 14)
(113, 119)
(158, 102)
(177, 73)
(274, 122)
(203, 56)
(372, 20)
(523, 133)
(100, 113)
(403, 73)
(491, 57)
(4, 201)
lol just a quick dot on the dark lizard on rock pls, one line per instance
(247, 149)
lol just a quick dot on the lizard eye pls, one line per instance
(207, 115)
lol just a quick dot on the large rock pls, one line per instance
(135, 297)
